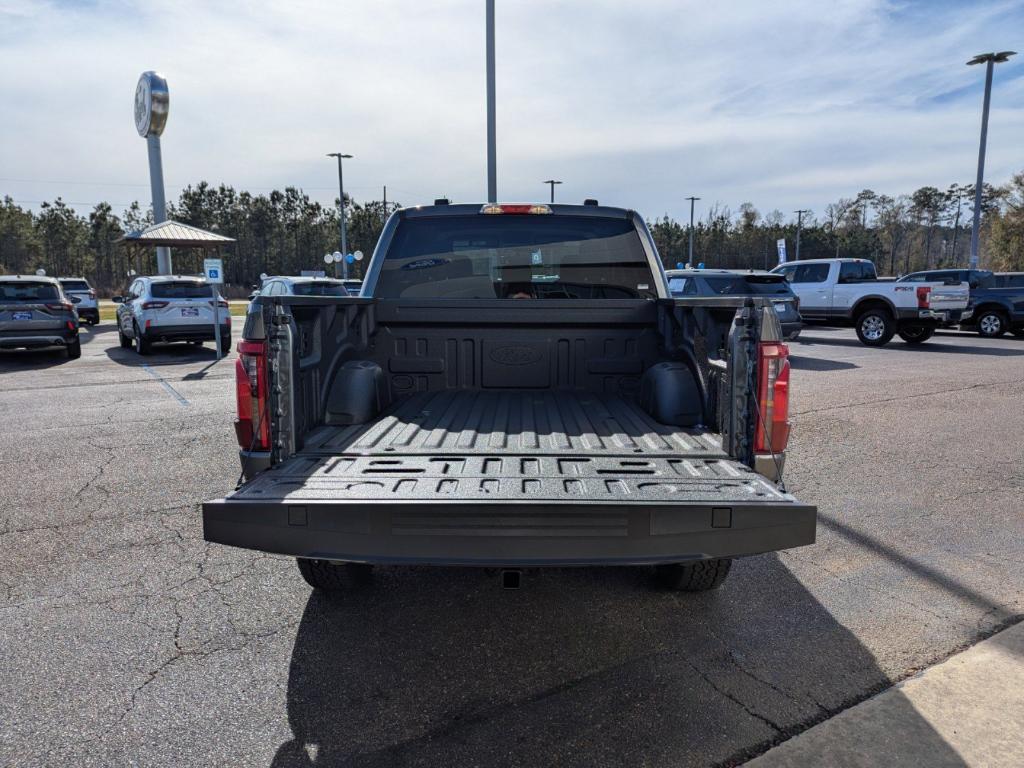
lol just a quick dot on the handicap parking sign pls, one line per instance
(214, 270)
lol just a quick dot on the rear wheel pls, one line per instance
(75, 349)
(126, 343)
(334, 577)
(225, 345)
(875, 327)
(141, 345)
(991, 323)
(916, 334)
(699, 576)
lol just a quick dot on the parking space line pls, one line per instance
(163, 383)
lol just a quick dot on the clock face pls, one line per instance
(143, 106)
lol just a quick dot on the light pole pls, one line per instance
(341, 201)
(799, 224)
(990, 60)
(492, 162)
(552, 182)
(689, 260)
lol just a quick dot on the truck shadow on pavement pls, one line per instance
(165, 354)
(819, 364)
(986, 347)
(581, 667)
(12, 360)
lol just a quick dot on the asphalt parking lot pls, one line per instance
(127, 640)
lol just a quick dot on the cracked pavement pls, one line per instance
(128, 640)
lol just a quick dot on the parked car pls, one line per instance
(170, 308)
(996, 306)
(731, 282)
(88, 307)
(283, 285)
(35, 312)
(847, 292)
(537, 399)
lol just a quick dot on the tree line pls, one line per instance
(284, 232)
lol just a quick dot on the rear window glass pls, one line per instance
(744, 285)
(182, 290)
(74, 285)
(26, 291)
(508, 256)
(319, 289)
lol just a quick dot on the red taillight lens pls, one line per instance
(154, 304)
(251, 392)
(772, 432)
(65, 306)
(71, 325)
(923, 292)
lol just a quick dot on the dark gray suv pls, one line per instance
(736, 282)
(35, 312)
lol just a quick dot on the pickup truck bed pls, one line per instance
(564, 476)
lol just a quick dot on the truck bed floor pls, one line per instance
(543, 422)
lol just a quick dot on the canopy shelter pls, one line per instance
(172, 234)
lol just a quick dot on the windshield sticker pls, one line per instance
(425, 263)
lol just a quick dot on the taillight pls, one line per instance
(221, 303)
(71, 325)
(251, 392)
(772, 431)
(923, 292)
(92, 294)
(796, 302)
(65, 306)
(154, 304)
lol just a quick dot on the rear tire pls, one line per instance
(334, 577)
(698, 576)
(126, 343)
(141, 345)
(875, 327)
(225, 345)
(916, 334)
(74, 349)
(991, 324)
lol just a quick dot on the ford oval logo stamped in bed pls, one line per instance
(515, 355)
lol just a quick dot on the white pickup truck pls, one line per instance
(848, 292)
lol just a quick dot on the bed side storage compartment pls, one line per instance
(670, 395)
(358, 394)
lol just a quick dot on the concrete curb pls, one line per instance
(966, 711)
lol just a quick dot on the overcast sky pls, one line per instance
(786, 104)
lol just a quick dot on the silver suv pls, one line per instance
(34, 312)
(303, 286)
(170, 308)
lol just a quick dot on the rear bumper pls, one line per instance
(91, 314)
(40, 339)
(791, 330)
(185, 332)
(473, 533)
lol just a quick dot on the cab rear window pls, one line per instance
(26, 291)
(74, 285)
(182, 290)
(744, 285)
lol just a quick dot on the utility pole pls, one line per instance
(385, 202)
(341, 203)
(552, 182)
(799, 225)
(492, 162)
(990, 60)
(689, 261)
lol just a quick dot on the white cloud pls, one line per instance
(639, 103)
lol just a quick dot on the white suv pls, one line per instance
(87, 305)
(170, 308)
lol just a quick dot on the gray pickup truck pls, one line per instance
(515, 387)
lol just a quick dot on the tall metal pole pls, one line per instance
(341, 201)
(978, 185)
(799, 225)
(689, 261)
(552, 182)
(156, 186)
(492, 162)
(990, 60)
